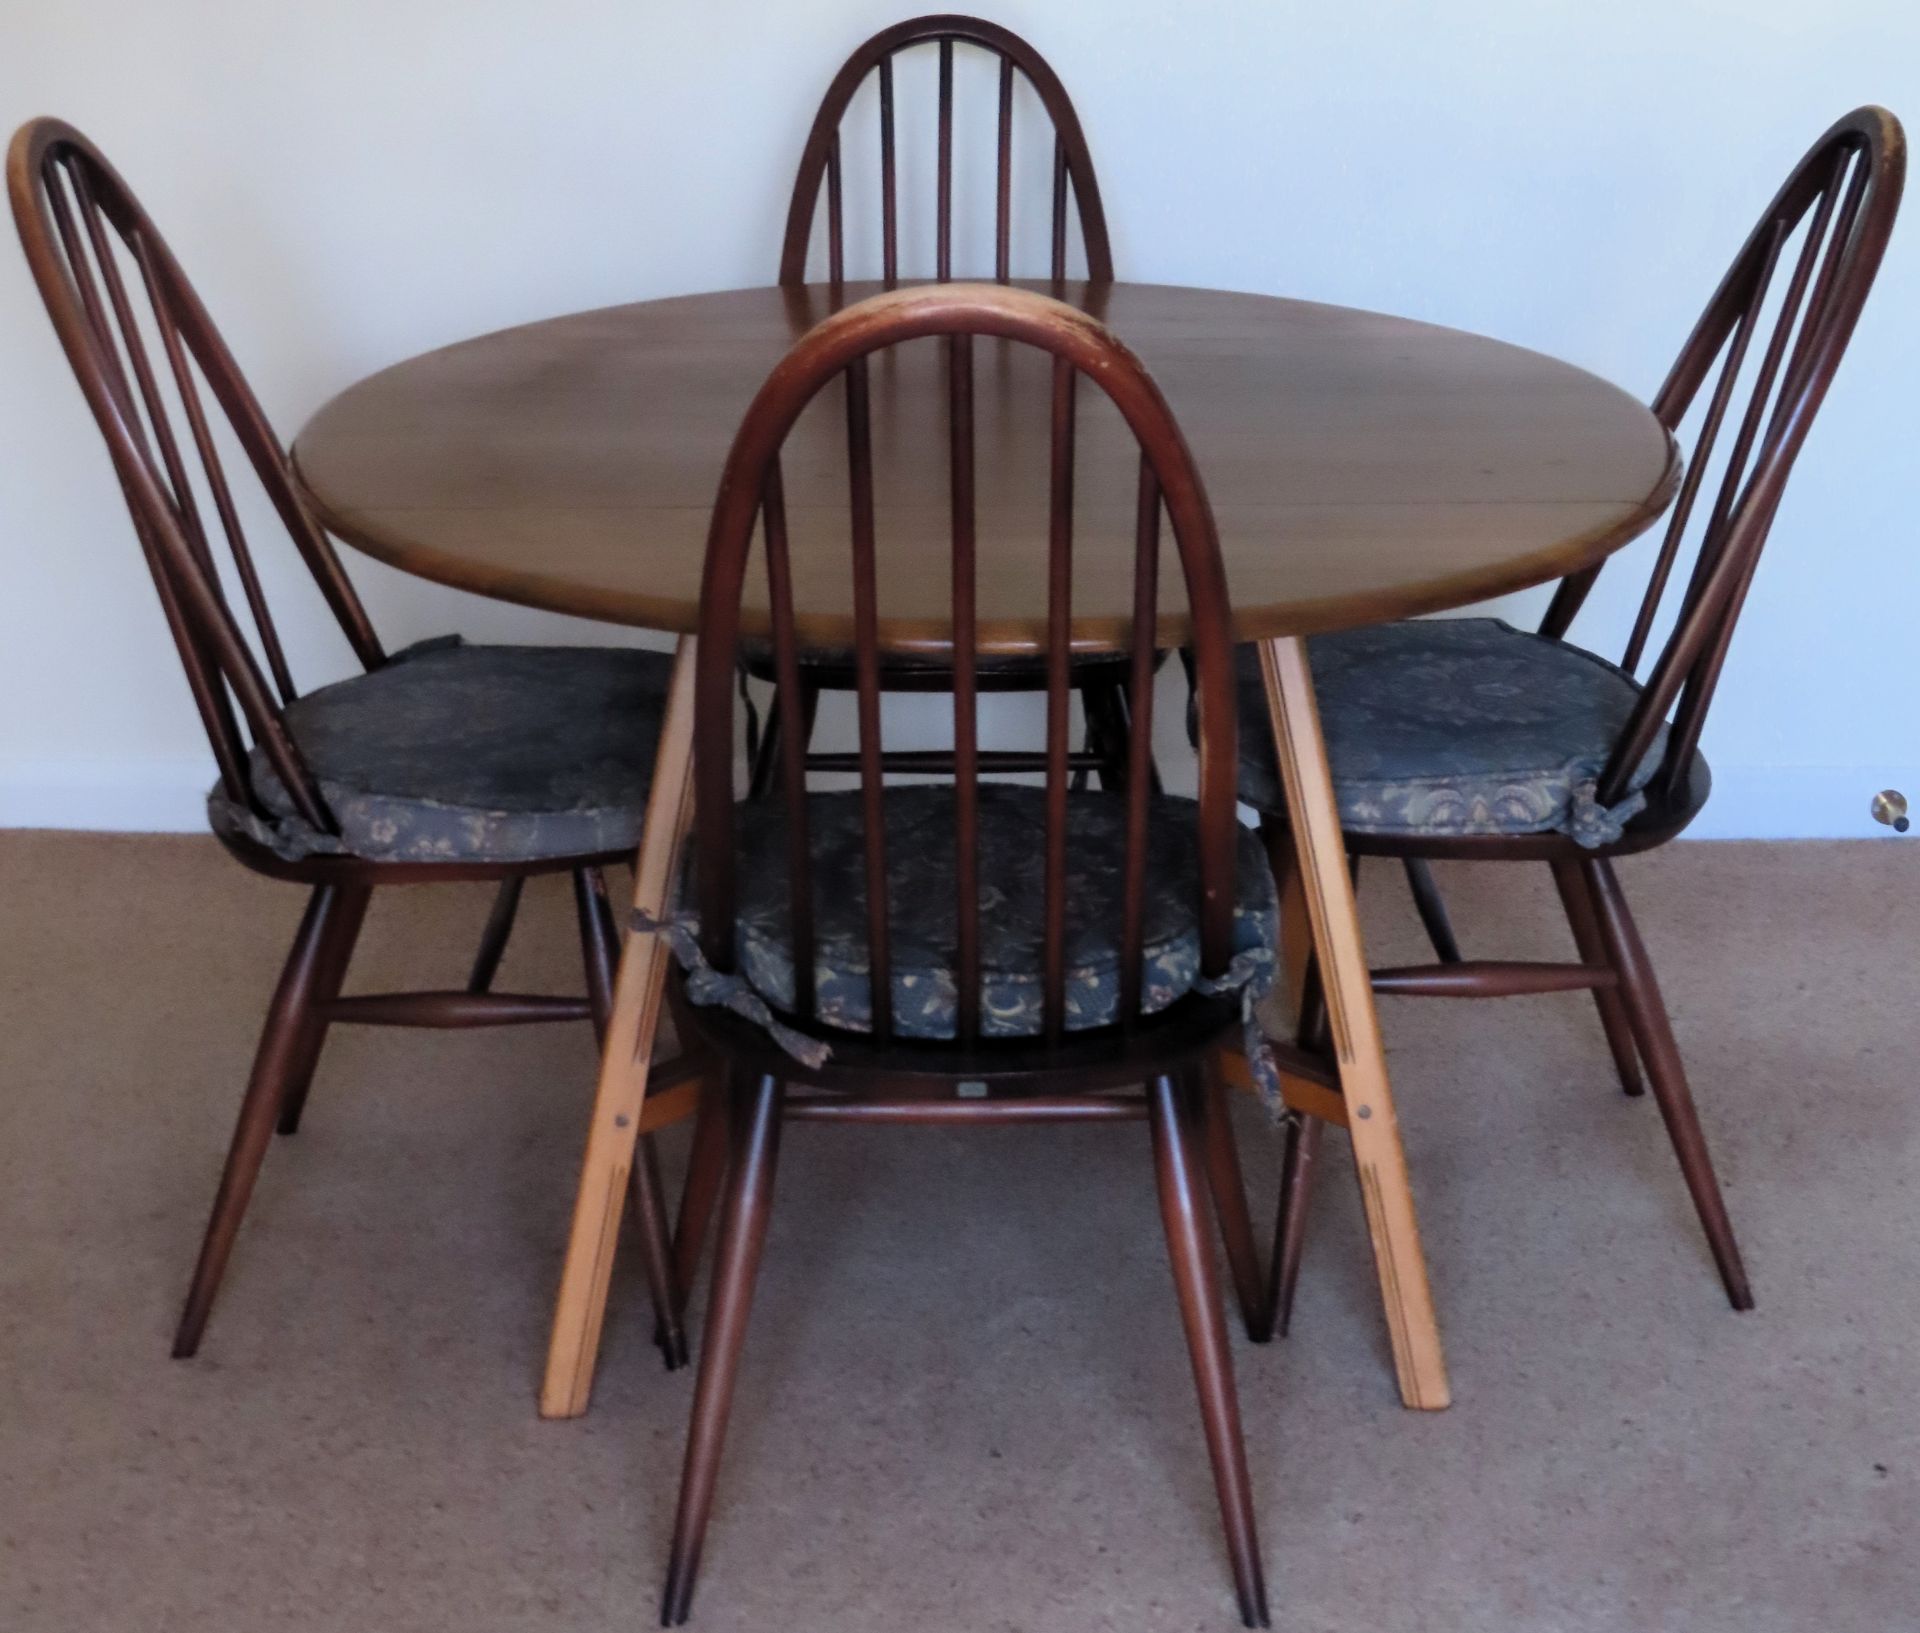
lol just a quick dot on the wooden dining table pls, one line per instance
(1362, 468)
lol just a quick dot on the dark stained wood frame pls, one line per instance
(108, 307)
(878, 1076)
(1847, 191)
(820, 157)
(1100, 680)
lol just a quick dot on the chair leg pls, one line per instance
(1304, 1135)
(743, 1234)
(1432, 909)
(343, 932)
(278, 1053)
(1592, 946)
(600, 951)
(742, 684)
(493, 940)
(766, 754)
(706, 1173)
(1654, 1035)
(1173, 1114)
(1105, 710)
(765, 775)
(1229, 1191)
(656, 1254)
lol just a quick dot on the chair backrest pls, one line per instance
(953, 315)
(820, 158)
(1840, 200)
(115, 292)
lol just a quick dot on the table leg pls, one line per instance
(1384, 1188)
(639, 993)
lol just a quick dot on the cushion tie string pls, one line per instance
(706, 985)
(1591, 824)
(1251, 973)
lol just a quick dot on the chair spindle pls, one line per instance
(1059, 640)
(866, 627)
(966, 742)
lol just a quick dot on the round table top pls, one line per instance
(1361, 467)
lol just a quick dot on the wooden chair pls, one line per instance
(1100, 681)
(1431, 726)
(840, 964)
(444, 762)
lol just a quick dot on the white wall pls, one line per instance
(354, 181)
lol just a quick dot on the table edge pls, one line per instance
(675, 615)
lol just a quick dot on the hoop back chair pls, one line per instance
(820, 158)
(869, 956)
(1776, 327)
(1099, 681)
(141, 344)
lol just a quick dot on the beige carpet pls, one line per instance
(966, 1404)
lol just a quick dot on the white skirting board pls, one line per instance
(169, 796)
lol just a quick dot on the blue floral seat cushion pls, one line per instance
(1449, 726)
(920, 828)
(471, 753)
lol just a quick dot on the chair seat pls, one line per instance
(920, 829)
(473, 754)
(1453, 726)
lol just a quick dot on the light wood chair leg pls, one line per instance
(1174, 1116)
(281, 1040)
(639, 992)
(1296, 929)
(743, 1234)
(1591, 943)
(1296, 932)
(600, 951)
(1385, 1189)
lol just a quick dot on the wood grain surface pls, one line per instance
(1361, 467)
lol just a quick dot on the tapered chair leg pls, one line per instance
(1592, 946)
(1298, 1165)
(1109, 731)
(493, 940)
(600, 952)
(1174, 1118)
(766, 757)
(336, 952)
(1304, 1134)
(743, 1233)
(1654, 1035)
(1432, 908)
(1096, 708)
(656, 1254)
(1229, 1191)
(766, 767)
(281, 1041)
(706, 1172)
